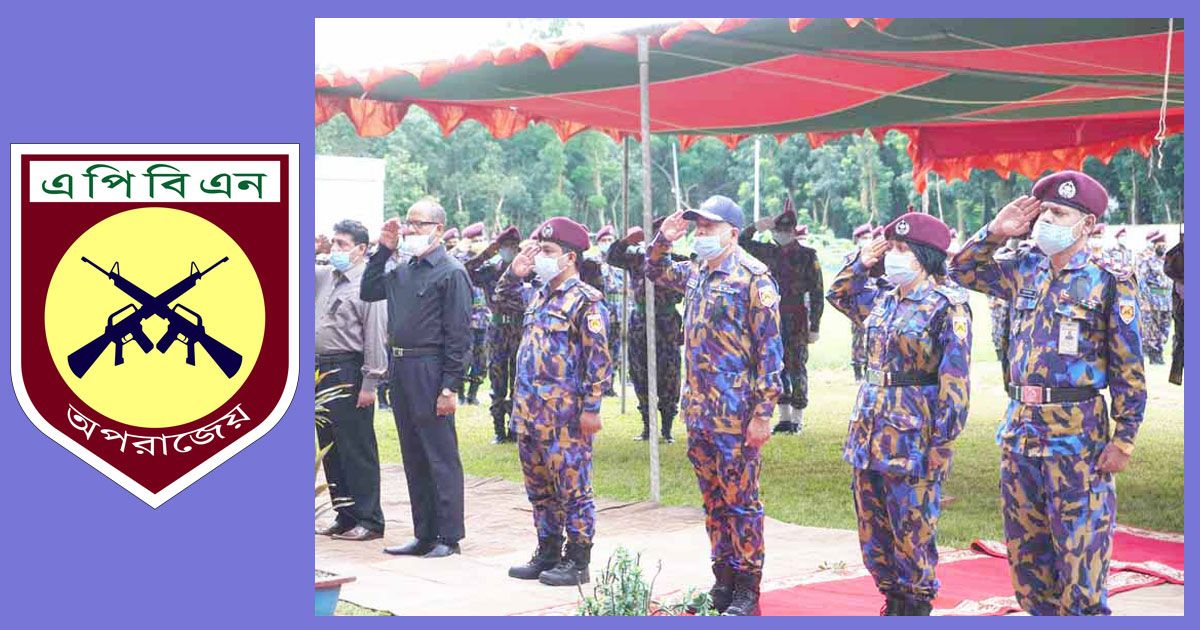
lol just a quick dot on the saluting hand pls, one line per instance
(763, 224)
(522, 264)
(589, 422)
(1016, 218)
(389, 234)
(674, 227)
(323, 244)
(874, 251)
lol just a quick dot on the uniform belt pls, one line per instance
(425, 351)
(900, 379)
(1037, 395)
(339, 357)
(506, 319)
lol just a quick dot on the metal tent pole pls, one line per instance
(625, 273)
(757, 147)
(643, 43)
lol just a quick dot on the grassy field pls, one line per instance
(804, 480)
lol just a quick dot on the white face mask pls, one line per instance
(546, 268)
(783, 237)
(899, 267)
(415, 244)
(507, 254)
(1053, 238)
(863, 242)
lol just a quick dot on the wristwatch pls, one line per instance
(446, 391)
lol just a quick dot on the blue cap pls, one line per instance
(718, 208)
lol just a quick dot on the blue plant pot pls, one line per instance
(328, 590)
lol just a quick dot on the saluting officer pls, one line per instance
(481, 317)
(733, 358)
(629, 254)
(858, 339)
(798, 273)
(1075, 331)
(911, 406)
(1155, 296)
(563, 367)
(504, 333)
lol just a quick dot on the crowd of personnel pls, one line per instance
(414, 321)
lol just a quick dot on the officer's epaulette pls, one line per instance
(1118, 269)
(756, 266)
(953, 292)
(590, 292)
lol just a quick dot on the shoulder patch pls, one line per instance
(595, 322)
(769, 296)
(956, 294)
(961, 325)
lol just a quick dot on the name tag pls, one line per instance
(1068, 337)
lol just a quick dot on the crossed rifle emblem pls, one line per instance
(119, 332)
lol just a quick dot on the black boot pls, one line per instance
(499, 428)
(572, 570)
(745, 595)
(547, 556)
(858, 370)
(894, 606)
(668, 419)
(917, 608)
(645, 434)
(473, 394)
(722, 591)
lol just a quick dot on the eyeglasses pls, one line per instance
(417, 224)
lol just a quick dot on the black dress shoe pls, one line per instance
(414, 547)
(668, 439)
(499, 439)
(442, 550)
(336, 528)
(359, 534)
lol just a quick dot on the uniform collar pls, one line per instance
(918, 292)
(728, 265)
(1078, 260)
(566, 284)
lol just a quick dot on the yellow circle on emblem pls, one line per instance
(155, 249)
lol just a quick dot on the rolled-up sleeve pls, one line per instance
(375, 351)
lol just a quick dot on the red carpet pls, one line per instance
(974, 582)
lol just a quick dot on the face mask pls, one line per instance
(340, 260)
(546, 268)
(1094, 243)
(708, 247)
(783, 238)
(863, 242)
(898, 267)
(415, 243)
(604, 247)
(1053, 238)
(507, 254)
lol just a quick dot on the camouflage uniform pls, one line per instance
(503, 336)
(798, 272)
(924, 337)
(1000, 326)
(563, 366)
(480, 318)
(668, 331)
(1155, 289)
(733, 354)
(858, 335)
(614, 286)
(1058, 507)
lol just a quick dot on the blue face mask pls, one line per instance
(707, 247)
(1053, 238)
(340, 260)
(898, 268)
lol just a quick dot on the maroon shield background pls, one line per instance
(48, 229)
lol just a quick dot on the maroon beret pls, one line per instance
(1120, 233)
(1156, 236)
(1099, 229)
(802, 230)
(635, 235)
(862, 230)
(1074, 189)
(918, 227)
(607, 230)
(877, 232)
(475, 230)
(565, 232)
(451, 233)
(510, 233)
(786, 220)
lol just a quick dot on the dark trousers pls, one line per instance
(352, 465)
(429, 447)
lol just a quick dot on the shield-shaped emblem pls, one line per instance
(154, 302)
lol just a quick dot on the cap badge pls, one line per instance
(547, 231)
(1066, 190)
(902, 228)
